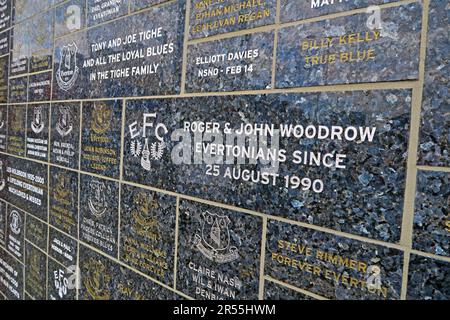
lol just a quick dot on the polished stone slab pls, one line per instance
(344, 50)
(35, 273)
(40, 31)
(332, 266)
(138, 55)
(274, 291)
(292, 10)
(39, 87)
(99, 11)
(38, 125)
(5, 15)
(11, 277)
(3, 127)
(357, 188)
(208, 18)
(4, 71)
(101, 137)
(104, 279)
(434, 147)
(431, 219)
(15, 232)
(62, 248)
(429, 279)
(238, 63)
(70, 17)
(218, 253)
(3, 217)
(36, 232)
(99, 216)
(65, 134)
(18, 89)
(60, 282)
(63, 205)
(4, 42)
(147, 232)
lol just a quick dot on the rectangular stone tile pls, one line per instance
(63, 213)
(20, 49)
(24, 9)
(62, 248)
(15, 232)
(136, 5)
(101, 137)
(27, 186)
(4, 72)
(39, 87)
(16, 129)
(5, 15)
(65, 134)
(36, 232)
(4, 42)
(335, 159)
(147, 232)
(99, 11)
(345, 50)
(274, 291)
(429, 279)
(213, 17)
(3, 128)
(61, 282)
(35, 273)
(218, 253)
(104, 279)
(137, 55)
(431, 219)
(99, 215)
(3, 218)
(38, 124)
(11, 276)
(3, 177)
(332, 266)
(434, 148)
(18, 89)
(239, 63)
(41, 41)
(292, 10)
(70, 17)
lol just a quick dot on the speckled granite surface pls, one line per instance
(35, 273)
(11, 280)
(274, 291)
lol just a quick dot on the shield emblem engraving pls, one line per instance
(101, 118)
(37, 125)
(97, 199)
(215, 231)
(68, 71)
(65, 122)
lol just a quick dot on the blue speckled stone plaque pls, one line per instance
(16, 129)
(275, 291)
(345, 50)
(239, 63)
(62, 248)
(59, 279)
(431, 219)
(15, 232)
(63, 205)
(99, 213)
(333, 159)
(65, 134)
(38, 128)
(218, 253)
(35, 273)
(5, 15)
(3, 216)
(332, 266)
(429, 279)
(137, 55)
(99, 11)
(18, 89)
(434, 149)
(24, 9)
(11, 276)
(101, 137)
(39, 87)
(36, 232)
(147, 232)
(213, 17)
(70, 17)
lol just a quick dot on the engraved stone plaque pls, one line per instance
(62, 248)
(5, 15)
(274, 291)
(11, 276)
(39, 87)
(15, 232)
(4, 71)
(99, 11)
(38, 124)
(18, 89)
(35, 273)
(36, 232)
(60, 281)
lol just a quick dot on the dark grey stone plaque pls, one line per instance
(62, 248)
(61, 281)
(63, 213)
(38, 124)
(99, 216)
(333, 159)
(35, 273)
(238, 63)
(99, 11)
(147, 232)
(213, 17)
(11, 276)
(218, 253)
(103, 279)
(36, 232)
(65, 134)
(70, 17)
(346, 50)
(3, 128)
(4, 72)
(4, 42)
(5, 15)
(429, 279)
(434, 147)
(3, 218)
(137, 55)
(274, 291)
(40, 35)
(101, 137)
(332, 266)
(15, 232)
(431, 219)
(39, 87)
(18, 89)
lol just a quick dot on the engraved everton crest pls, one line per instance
(142, 213)
(2, 177)
(214, 241)
(101, 118)
(64, 126)
(2, 120)
(97, 280)
(67, 72)
(15, 222)
(62, 191)
(37, 124)
(97, 199)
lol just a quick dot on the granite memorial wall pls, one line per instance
(224, 149)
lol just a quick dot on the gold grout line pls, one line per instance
(293, 288)
(175, 259)
(275, 45)
(184, 55)
(435, 169)
(262, 260)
